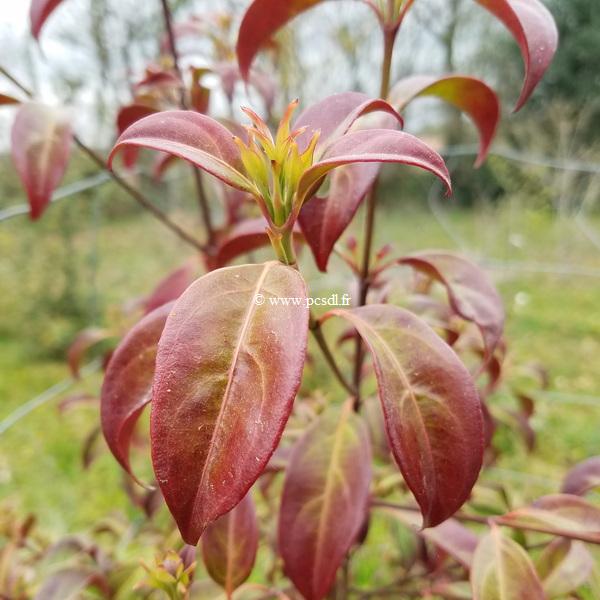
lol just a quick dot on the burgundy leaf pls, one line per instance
(335, 115)
(582, 477)
(324, 220)
(324, 500)
(229, 546)
(262, 19)
(41, 144)
(534, 29)
(431, 407)
(502, 570)
(39, 11)
(468, 94)
(189, 135)
(228, 368)
(127, 385)
(170, 288)
(470, 292)
(374, 146)
(5, 99)
(81, 344)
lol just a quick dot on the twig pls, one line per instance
(138, 196)
(202, 199)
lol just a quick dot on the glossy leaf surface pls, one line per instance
(502, 570)
(563, 566)
(582, 477)
(39, 11)
(470, 292)
(431, 407)
(558, 514)
(324, 500)
(229, 545)
(127, 386)
(189, 135)
(227, 372)
(40, 144)
(468, 94)
(534, 30)
(374, 146)
(324, 220)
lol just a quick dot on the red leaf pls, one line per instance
(534, 29)
(324, 220)
(127, 385)
(227, 372)
(432, 409)
(558, 514)
(41, 143)
(39, 11)
(324, 500)
(582, 477)
(244, 237)
(131, 113)
(5, 99)
(81, 344)
(262, 19)
(189, 135)
(335, 115)
(502, 570)
(470, 292)
(161, 164)
(374, 146)
(170, 288)
(470, 95)
(229, 545)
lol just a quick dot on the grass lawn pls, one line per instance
(553, 319)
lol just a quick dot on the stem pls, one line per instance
(202, 200)
(136, 194)
(583, 537)
(315, 327)
(389, 37)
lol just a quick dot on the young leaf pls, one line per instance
(84, 340)
(228, 368)
(502, 570)
(41, 143)
(39, 11)
(468, 94)
(470, 292)
(564, 566)
(534, 29)
(229, 546)
(582, 477)
(432, 409)
(558, 514)
(262, 19)
(324, 220)
(170, 288)
(127, 386)
(324, 500)
(189, 135)
(126, 117)
(374, 146)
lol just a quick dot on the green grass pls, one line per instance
(552, 319)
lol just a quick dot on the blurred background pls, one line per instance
(531, 215)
